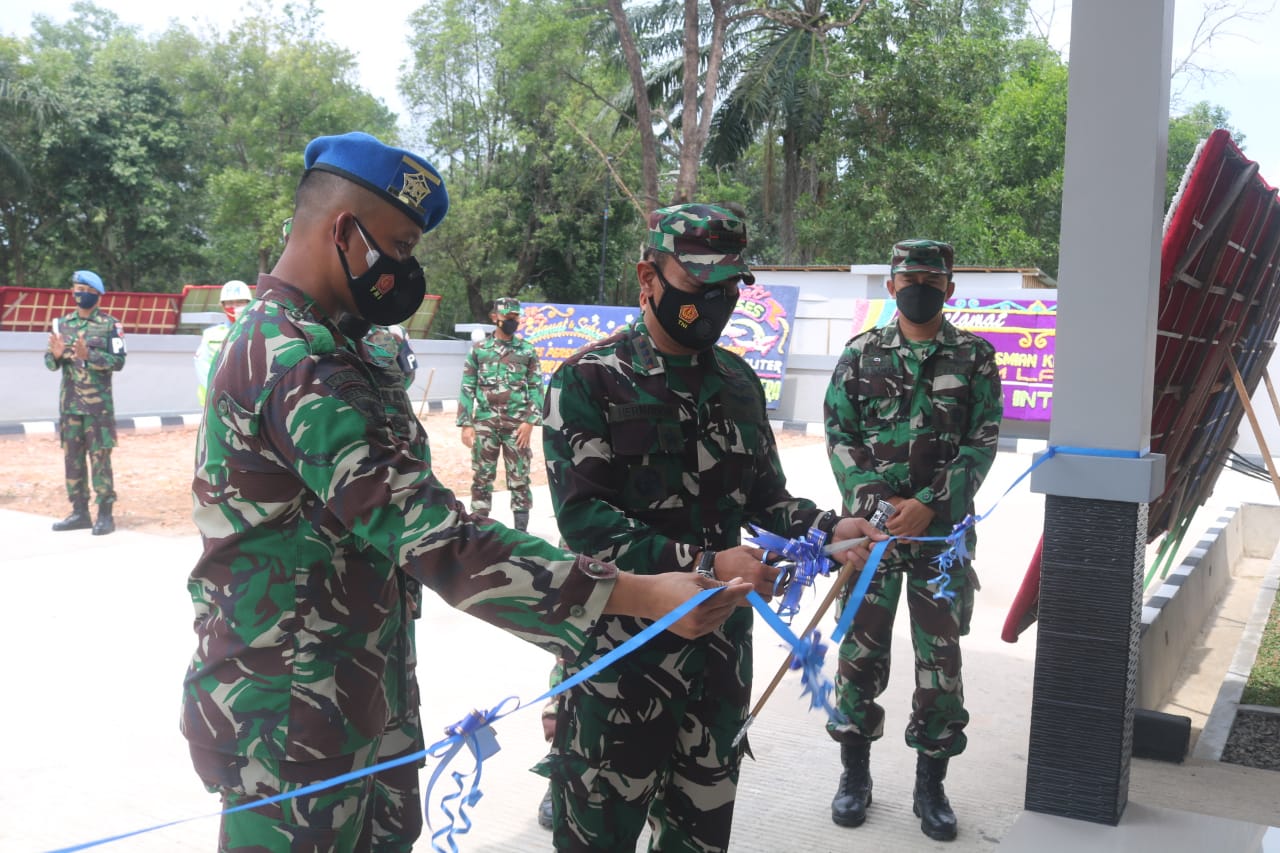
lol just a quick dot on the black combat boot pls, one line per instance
(522, 520)
(105, 523)
(78, 520)
(849, 805)
(937, 820)
(546, 815)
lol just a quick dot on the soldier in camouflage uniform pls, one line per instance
(658, 452)
(87, 346)
(317, 515)
(912, 417)
(500, 404)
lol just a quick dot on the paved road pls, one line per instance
(96, 633)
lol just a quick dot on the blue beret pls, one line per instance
(401, 177)
(88, 277)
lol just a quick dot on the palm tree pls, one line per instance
(776, 90)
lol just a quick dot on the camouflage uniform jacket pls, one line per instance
(651, 456)
(307, 502)
(501, 378)
(916, 421)
(86, 385)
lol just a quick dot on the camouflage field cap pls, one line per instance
(506, 305)
(707, 240)
(401, 177)
(922, 256)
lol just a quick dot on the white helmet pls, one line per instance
(234, 291)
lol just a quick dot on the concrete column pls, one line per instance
(1099, 487)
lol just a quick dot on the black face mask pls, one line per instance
(920, 303)
(86, 299)
(509, 327)
(693, 320)
(389, 291)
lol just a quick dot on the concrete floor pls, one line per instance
(96, 633)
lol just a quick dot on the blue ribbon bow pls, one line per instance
(475, 731)
(807, 562)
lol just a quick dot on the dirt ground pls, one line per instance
(153, 473)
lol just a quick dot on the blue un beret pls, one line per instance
(88, 277)
(401, 177)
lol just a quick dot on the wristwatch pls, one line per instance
(826, 522)
(706, 565)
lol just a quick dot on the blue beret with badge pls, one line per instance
(90, 278)
(400, 177)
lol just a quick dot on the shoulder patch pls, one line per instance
(353, 388)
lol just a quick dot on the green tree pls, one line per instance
(504, 99)
(258, 95)
(1009, 213)
(918, 80)
(780, 90)
(1186, 132)
(110, 176)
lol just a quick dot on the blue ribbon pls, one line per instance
(807, 655)
(473, 731)
(808, 562)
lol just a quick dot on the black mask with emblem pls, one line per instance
(694, 320)
(389, 291)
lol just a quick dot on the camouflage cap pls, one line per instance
(506, 305)
(922, 256)
(707, 240)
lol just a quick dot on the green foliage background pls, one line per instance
(170, 159)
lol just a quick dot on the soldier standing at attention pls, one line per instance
(659, 452)
(315, 514)
(234, 297)
(500, 404)
(87, 346)
(912, 417)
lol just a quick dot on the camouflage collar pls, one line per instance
(284, 294)
(646, 360)
(947, 335)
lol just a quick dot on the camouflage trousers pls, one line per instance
(938, 715)
(92, 437)
(649, 739)
(494, 436)
(379, 813)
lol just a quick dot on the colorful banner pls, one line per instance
(1023, 332)
(759, 331)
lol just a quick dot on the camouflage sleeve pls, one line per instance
(852, 461)
(958, 480)
(585, 482)
(533, 386)
(325, 430)
(467, 396)
(50, 362)
(111, 355)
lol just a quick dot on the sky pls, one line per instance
(1245, 81)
